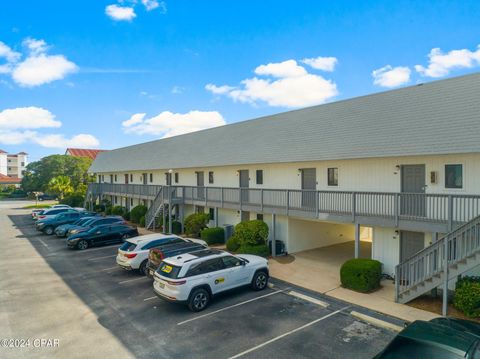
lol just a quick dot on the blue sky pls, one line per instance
(113, 73)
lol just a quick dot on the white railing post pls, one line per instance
(288, 202)
(222, 197)
(396, 203)
(261, 200)
(450, 213)
(445, 283)
(354, 204)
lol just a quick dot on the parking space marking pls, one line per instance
(98, 258)
(288, 333)
(308, 298)
(107, 269)
(41, 241)
(131, 280)
(98, 249)
(150, 298)
(232, 306)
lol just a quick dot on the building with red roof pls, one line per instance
(83, 152)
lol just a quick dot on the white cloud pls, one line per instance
(168, 124)
(7, 53)
(292, 86)
(389, 76)
(154, 4)
(37, 68)
(440, 64)
(120, 13)
(41, 69)
(20, 125)
(321, 63)
(27, 117)
(219, 90)
(60, 141)
(177, 90)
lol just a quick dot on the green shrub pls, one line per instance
(251, 233)
(73, 200)
(142, 221)
(361, 275)
(118, 210)
(126, 216)
(99, 208)
(137, 212)
(467, 296)
(194, 223)
(232, 244)
(213, 235)
(176, 227)
(108, 210)
(258, 250)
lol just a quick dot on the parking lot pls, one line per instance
(101, 309)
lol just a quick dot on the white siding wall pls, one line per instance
(3, 163)
(386, 248)
(304, 234)
(379, 174)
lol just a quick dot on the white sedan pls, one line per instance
(133, 254)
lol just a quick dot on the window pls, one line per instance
(259, 216)
(231, 261)
(176, 177)
(151, 177)
(453, 176)
(211, 265)
(210, 177)
(259, 174)
(211, 213)
(116, 200)
(131, 178)
(23, 164)
(111, 178)
(115, 178)
(131, 201)
(333, 176)
(168, 179)
(199, 209)
(9, 168)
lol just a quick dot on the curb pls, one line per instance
(376, 322)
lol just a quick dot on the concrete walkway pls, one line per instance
(319, 270)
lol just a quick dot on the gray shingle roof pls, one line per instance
(439, 117)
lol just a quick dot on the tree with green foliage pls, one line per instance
(38, 174)
(61, 186)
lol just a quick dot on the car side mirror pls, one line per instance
(243, 263)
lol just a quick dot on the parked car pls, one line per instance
(133, 254)
(52, 212)
(101, 235)
(97, 221)
(158, 254)
(37, 211)
(47, 197)
(48, 225)
(194, 278)
(438, 338)
(62, 230)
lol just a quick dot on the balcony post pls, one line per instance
(445, 273)
(240, 198)
(221, 199)
(450, 213)
(288, 202)
(354, 202)
(206, 196)
(170, 209)
(163, 218)
(357, 240)
(397, 283)
(274, 243)
(396, 209)
(261, 200)
(216, 216)
(317, 206)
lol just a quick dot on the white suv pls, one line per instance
(133, 254)
(193, 278)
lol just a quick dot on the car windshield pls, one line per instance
(128, 247)
(168, 270)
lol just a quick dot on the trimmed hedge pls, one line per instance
(118, 210)
(467, 296)
(213, 235)
(232, 244)
(142, 221)
(137, 212)
(251, 233)
(361, 275)
(258, 250)
(195, 222)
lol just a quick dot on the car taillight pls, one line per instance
(130, 255)
(179, 282)
(41, 217)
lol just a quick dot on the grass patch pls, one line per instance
(32, 206)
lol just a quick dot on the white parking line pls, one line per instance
(131, 280)
(45, 244)
(287, 333)
(150, 298)
(308, 298)
(107, 269)
(232, 306)
(97, 249)
(98, 258)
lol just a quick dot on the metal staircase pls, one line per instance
(155, 209)
(452, 255)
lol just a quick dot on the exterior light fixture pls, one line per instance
(170, 171)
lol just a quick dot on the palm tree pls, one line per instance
(60, 185)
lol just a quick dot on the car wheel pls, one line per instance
(198, 300)
(143, 267)
(83, 244)
(260, 280)
(48, 230)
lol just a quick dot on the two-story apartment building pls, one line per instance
(401, 167)
(13, 165)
